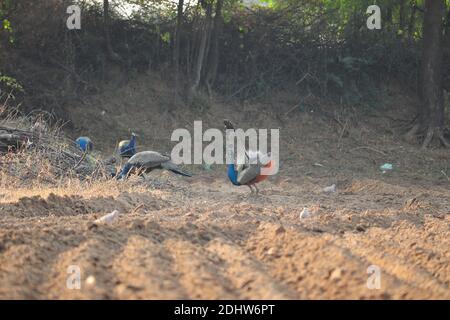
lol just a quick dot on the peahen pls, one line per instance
(248, 174)
(146, 161)
(127, 148)
(84, 144)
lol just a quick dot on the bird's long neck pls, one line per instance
(231, 171)
(132, 141)
(232, 174)
(124, 172)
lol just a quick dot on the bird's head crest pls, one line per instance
(228, 124)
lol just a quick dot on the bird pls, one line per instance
(127, 148)
(250, 173)
(146, 161)
(84, 144)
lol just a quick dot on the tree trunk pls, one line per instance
(431, 120)
(213, 61)
(401, 17)
(447, 23)
(176, 51)
(201, 52)
(389, 15)
(412, 20)
(106, 24)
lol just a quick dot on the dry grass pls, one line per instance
(43, 156)
(72, 187)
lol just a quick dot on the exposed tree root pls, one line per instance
(411, 135)
(443, 140)
(433, 132)
(430, 133)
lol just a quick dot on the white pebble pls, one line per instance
(330, 189)
(109, 218)
(305, 213)
(90, 281)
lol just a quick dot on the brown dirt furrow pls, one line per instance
(19, 276)
(201, 272)
(94, 258)
(310, 263)
(412, 280)
(144, 269)
(248, 275)
(215, 241)
(27, 248)
(412, 244)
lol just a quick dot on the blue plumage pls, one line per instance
(84, 144)
(127, 148)
(232, 174)
(248, 174)
(125, 170)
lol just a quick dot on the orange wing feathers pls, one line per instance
(262, 177)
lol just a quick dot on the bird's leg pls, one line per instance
(128, 174)
(257, 190)
(251, 189)
(139, 172)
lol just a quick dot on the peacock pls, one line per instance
(146, 161)
(248, 174)
(85, 144)
(127, 148)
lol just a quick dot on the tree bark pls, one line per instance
(412, 20)
(176, 51)
(201, 51)
(389, 14)
(431, 120)
(213, 61)
(106, 24)
(401, 18)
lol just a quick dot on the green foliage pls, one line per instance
(165, 37)
(275, 42)
(10, 83)
(5, 23)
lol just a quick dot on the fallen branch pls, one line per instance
(81, 160)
